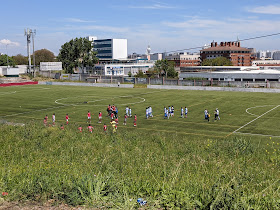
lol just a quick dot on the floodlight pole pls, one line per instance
(34, 65)
(7, 56)
(28, 33)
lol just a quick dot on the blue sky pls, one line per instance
(164, 25)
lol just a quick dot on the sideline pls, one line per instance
(176, 87)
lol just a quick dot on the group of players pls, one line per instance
(113, 115)
(216, 113)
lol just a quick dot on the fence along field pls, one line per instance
(185, 163)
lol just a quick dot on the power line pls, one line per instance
(257, 37)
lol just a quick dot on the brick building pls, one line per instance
(184, 59)
(239, 56)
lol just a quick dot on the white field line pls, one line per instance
(65, 105)
(58, 107)
(255, 119)
(256, 107)
(256, 134)
(138, 102)
(7, 93)
(19, 91)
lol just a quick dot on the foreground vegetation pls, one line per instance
(167, 170)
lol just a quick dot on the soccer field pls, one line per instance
(241, 113)
(176, 163)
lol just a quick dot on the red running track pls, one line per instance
(18, 83)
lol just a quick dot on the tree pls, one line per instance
(20, 59)
(3, 61)
(140, 74)
(77, 53)
(220, 61)
(165, 68)
(43, 55)
(171, 72)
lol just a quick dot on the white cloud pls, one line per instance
(9, 42)
(78, 20)
(111, 29)
(269, 9)
(154, 6)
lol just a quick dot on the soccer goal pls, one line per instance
(257, 85)
(108, 81)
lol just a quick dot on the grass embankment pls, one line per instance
(167, 170)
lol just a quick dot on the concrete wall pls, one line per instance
(171, 87)
(86, 84)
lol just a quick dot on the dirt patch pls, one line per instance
(35, 206)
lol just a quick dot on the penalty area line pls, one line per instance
(252, 121)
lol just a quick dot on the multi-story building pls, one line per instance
(109, 49)
(239, 56)
(276, 55)
(184, 59)
(155, 56)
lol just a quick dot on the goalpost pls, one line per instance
(108, 81)
(257, 85)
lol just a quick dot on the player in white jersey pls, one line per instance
(130, 112)
(217, 112)
(206, 114)
(186, 112)
(126, 110)
(150, 111)
(172, 111)
(147, 112)
(182, 112)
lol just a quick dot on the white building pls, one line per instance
(91, 38)
(110, 49)
(156, 56)
(123, 69)
(266, 63)
(183, 56)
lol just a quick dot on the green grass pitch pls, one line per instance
(22, 104)
(179, 163)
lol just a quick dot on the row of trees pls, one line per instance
(42, 55)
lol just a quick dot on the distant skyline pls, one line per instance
(164, 25)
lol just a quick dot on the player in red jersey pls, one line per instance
(90, 128)
(89, 117)
(80, 129)
(112, 116)
(100, 117)
(62, 127)
(67, 119)
(105, 127)
(46, 120)
(135, 119)
(117, 120)
(125, 119)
